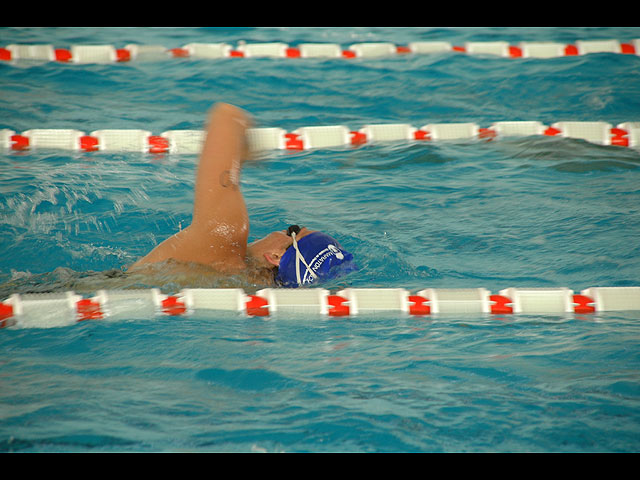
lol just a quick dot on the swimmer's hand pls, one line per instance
(234, 115)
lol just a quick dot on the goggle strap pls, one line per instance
(300, 258)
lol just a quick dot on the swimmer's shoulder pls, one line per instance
(196, 275)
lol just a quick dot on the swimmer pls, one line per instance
(218, 235)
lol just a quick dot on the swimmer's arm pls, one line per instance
(220, 225)
(218, 201)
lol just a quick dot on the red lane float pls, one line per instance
(501, 304)
(583, 304)
(257, 306)
(338, 306)
(419, 305)
(173, 306)
(89, 310)
(62, 55)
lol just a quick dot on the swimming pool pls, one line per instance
(534, 211)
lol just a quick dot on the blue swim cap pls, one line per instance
(316, 257)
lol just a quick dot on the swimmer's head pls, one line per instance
(313, 256)
(268, 251)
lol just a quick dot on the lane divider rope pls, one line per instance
(626, 134)
(110, 54)
(65, 308)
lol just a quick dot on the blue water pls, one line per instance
(533, 212)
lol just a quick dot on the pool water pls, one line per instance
(529, 212)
